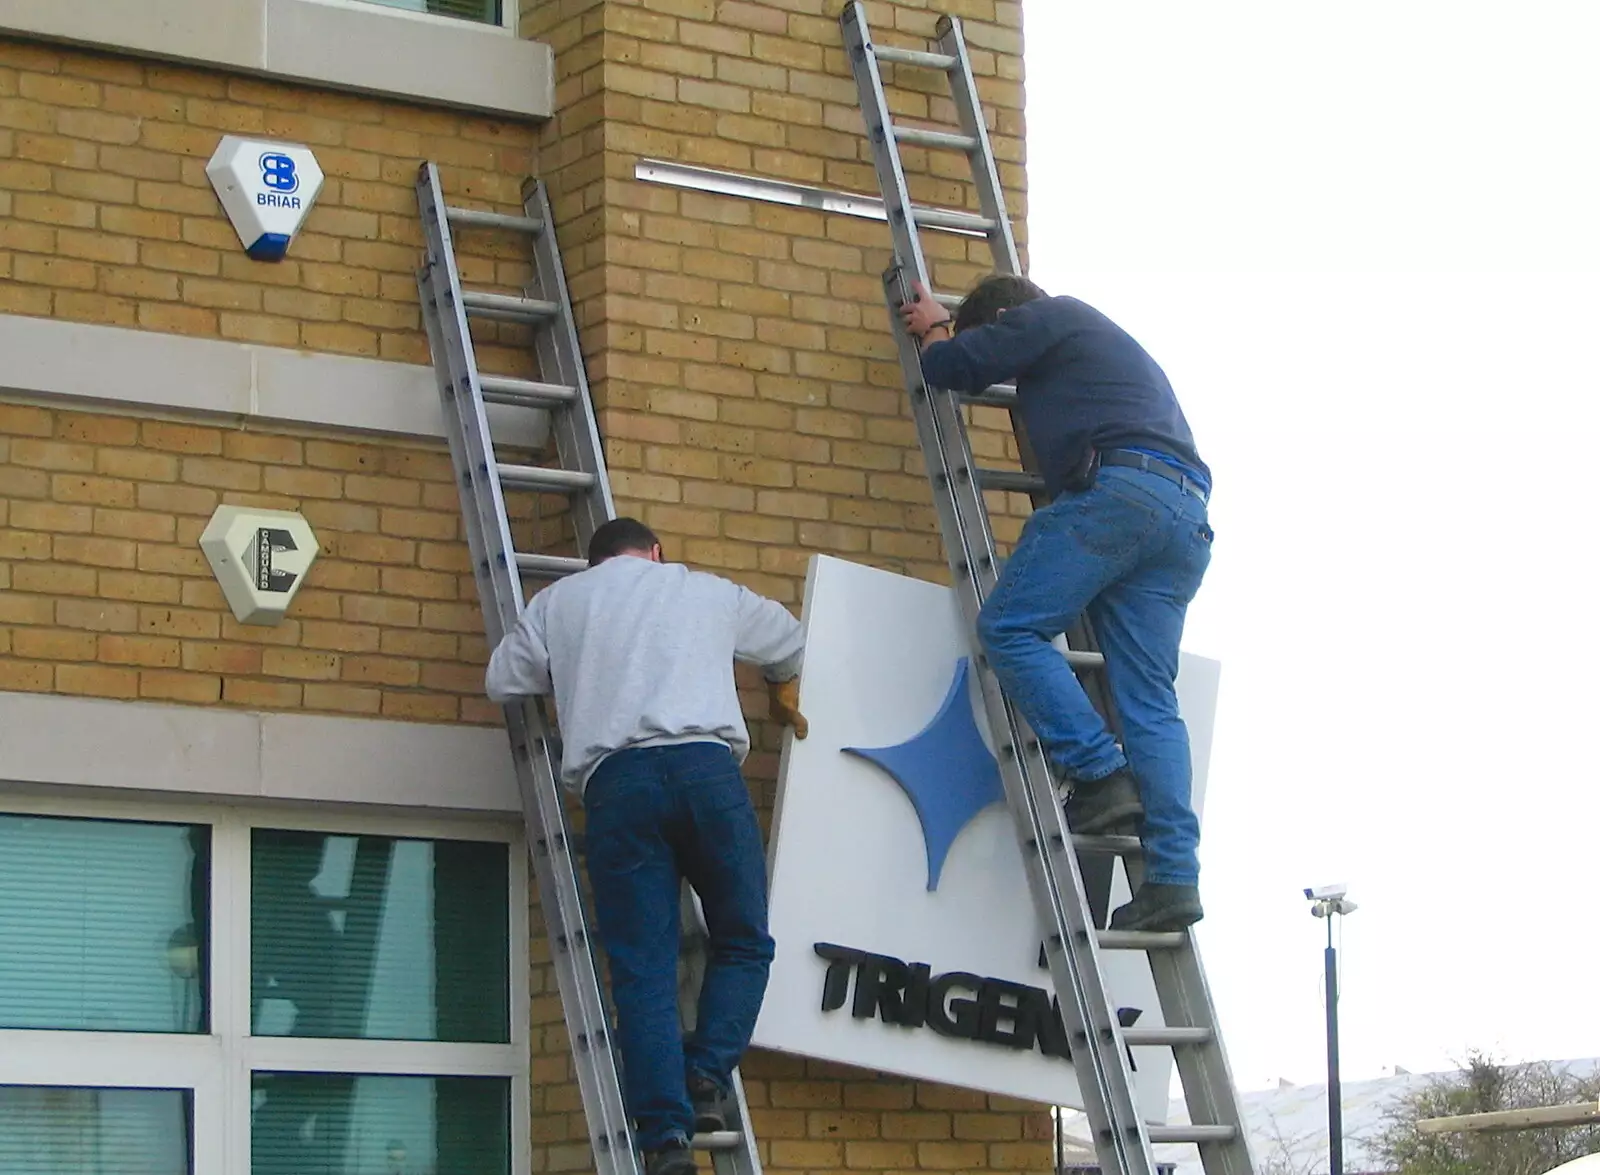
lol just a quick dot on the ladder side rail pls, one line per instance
(578, 444)
(555, 864)
(967, 532)
(743, 1159)
(1003, 248)
(466, 421)
(992, 202)
(1203, 1071)
(1179, 977)
(577, 433)
(1054, 873)
(1054, 867)
(986, 177)
(550, 843)
(886, 151)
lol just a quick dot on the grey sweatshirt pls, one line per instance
(641, 654)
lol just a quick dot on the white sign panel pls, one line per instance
(906, 938)
(266, 189)
(260, 557)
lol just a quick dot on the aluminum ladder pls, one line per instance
(1073, 941)
(502, 572)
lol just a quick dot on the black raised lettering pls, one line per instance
(1052, 1030)
(836, 983)
(1000, 1022)
(1128, 1017)
(953, 1017)
(880, 981)
(914, 1007)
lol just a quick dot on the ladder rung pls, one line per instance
(914, 57)
(1122, 846)
(994, 396)
(1192, 1133)
(1141, 940)
(474, 218)
(960, 221)
(923, 137)
(549, 566)
(949, 301)
(537, 477)
(502, 389)
(509, 307)
(1170, 1037)
(718, 1140)
(1005, 479)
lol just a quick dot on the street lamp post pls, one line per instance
(1327, 901)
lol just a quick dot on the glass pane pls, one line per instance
(380, 939)
(330, 1124)
(98, 924)
(93, 1131)
(487, 11)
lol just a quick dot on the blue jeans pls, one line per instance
(1130, 551)
(658, 815)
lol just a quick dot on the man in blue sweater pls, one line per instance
(1124, 537)
(639, 654)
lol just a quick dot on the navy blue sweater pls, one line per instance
(1081, 380)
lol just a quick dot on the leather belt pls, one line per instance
(1156, 466)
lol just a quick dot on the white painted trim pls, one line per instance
(298, 1054)
(368, 49)
(113, 367)
(120, 1060)
(131, 1060)
(230, 967)
(211, 751)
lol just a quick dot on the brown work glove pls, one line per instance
(784, 697)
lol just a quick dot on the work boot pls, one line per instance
(673, 1159)
(1159, 907)
(710, 1110)
(1103, 807)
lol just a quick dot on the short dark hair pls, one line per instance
(620, 535)
(997, 292)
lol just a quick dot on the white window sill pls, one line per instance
(366, 48)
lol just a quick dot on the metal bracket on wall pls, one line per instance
(766, 190)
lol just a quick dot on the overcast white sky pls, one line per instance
(1364, 242)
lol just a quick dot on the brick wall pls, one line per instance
(740, 351)
(106, 214)
(104, 590)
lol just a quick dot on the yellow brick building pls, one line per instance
(179, 788)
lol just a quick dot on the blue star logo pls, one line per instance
(946, 770)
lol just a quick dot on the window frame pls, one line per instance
(216, 1066)
(509, 11)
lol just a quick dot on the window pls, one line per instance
(483, 11)
(226, 991)
(98, 924)
(378, 939)
(337, 1125)
(45, 1131)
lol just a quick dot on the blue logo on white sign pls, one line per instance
(947, 771)
(266, 189)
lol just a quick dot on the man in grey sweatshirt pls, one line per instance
(639, 655)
